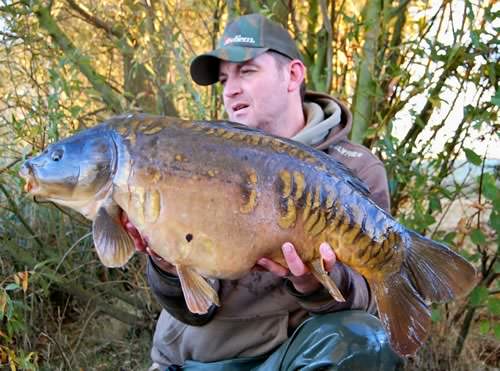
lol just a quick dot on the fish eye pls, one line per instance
(57, 155)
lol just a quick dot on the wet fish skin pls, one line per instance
(213, 197)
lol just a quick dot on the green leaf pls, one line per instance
(12, 286)
(477, 237)
(492, 66)
(470, 11)
(469, 111)
(496, 330)
(496, 99)
(484, 327)
(10, 310)
(475, 38)
(449, 238)
(436, 315)
(429, 220)
(478, 295)
(496, 204)
(75, 111)
(495, 221)
(420, 180)
(472, 157)
(470, 257)
(447, 193)
(393, 184)
(490, 189)
(435, 203)
(494, 306)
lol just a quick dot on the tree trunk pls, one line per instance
(365, 93)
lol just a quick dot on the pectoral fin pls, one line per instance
(318, 270)
(198, 293)
(113, 244)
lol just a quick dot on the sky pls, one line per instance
(403, 120)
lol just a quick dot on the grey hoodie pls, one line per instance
(260, 310)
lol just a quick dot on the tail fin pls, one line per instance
(404, 314)
(440, 274)
(431, 272)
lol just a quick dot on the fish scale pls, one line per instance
(342, 225)
(214, 197)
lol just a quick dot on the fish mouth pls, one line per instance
(31, 185)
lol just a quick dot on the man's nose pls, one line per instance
(232, 88)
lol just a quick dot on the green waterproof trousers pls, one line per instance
(349, 340)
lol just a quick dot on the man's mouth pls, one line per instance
(238, 107)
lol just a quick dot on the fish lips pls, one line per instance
(28, 174)
(48, 185)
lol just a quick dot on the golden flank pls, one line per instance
(214, 197)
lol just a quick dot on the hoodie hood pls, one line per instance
(328, 121)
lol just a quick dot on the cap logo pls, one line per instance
(239, 39)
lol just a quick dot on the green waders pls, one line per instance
(349, 340)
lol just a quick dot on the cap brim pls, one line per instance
(205, 68)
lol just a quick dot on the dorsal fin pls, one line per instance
(333, 166)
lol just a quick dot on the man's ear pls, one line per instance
(297, 72)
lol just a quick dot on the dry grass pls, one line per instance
(479, 353)
(77, 337)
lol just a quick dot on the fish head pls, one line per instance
(74, 169)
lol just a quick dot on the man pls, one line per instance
(261, 323)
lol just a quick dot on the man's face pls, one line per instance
(255, 92)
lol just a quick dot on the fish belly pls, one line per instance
(208, 231)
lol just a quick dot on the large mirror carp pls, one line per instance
(214, 197)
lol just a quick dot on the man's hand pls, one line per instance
(297, 272)
(141, 245)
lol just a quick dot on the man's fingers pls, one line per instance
(328, 256)
(141, 245)
(139, 242)
(272, 267)
(129, 227)
(293, 260)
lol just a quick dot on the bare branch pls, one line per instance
(13, 163)
(48, 23)
(328, 26)
(99, 23)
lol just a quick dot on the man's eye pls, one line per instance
(222, 81)
(246, 71)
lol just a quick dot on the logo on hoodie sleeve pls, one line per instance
(346, 152)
